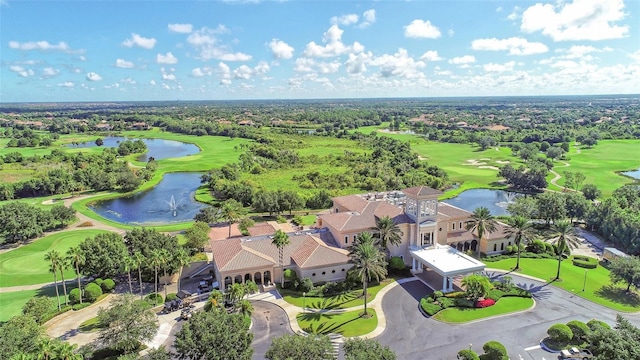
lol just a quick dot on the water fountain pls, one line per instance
(173, 205)
(506, 197)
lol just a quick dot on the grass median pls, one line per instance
(505, 305)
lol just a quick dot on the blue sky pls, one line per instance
(218, 50)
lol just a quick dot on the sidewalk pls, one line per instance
(65, 326)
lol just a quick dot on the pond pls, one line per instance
(171, 201)
(495, 200)
(158, 148)
(634, 174)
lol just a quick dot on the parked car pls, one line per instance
(185, 314)
(575, 353)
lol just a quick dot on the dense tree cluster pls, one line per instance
(21, 221)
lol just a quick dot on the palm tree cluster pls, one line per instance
(368, 259)
(234, 295)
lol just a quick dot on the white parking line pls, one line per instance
(532, 348)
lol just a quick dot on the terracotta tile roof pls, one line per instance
(225, 250)
(314, 253)
(366, 218)
(351, 202)
(460, 236)
(447, 211)
(260, 229)
(498, 234)
(421, 191)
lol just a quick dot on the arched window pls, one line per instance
(453, 226)
(324, 273)
(495, 247)
(501, 246)
(314, 274)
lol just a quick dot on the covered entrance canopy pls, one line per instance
(446, 261)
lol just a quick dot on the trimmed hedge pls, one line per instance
(108, 285)
(579, 329)
(429, 308)
(171, 297)
(77, 307)
(92, 292)
(154, 298)
(494, 350)
(560, 333)
(494, 294)
(524, 255)
(586, 262)
(594, 324)
(467, 354)
(74, 296)
(446, 302)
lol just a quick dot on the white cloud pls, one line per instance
(21, 71)
(121, 63)
(334, 45)
(280, 49)
(580, 20)
(129, 81)
(399, 64)
(167, 58)
(515, 45)
(93, 77)
(181, 28)
(635, 56)
(491, 67)
(581, 51)
(245, 72)
(49, 72)
(200, 72)
(463, 60)
(431, 55)
(499, 9)
(369, 17)
(152, 82)
(310, 65)
(209, 46)
(137, 40)
(345, 20)
(514, 15)
(420, 29)
(356, 64)
(225, 73)
(40, 45)
(67, 84)
(168, 74)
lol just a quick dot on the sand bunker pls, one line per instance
(488, 167)
(502, 161)
(474, 162)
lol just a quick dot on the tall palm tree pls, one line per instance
(250, 287)
(183, 259)
(280, 240)
(246, 308)
(236, 293)
(388, 233)
(368, 261)
(76, 257)
(54, 257)
(155, 261)
(231, 211)
(481, 222)
(139, 260)
(62, 265)
(564, 238)
(128, 264)
(521, 230)
(47, 349)
(165, 260)
(215, 301)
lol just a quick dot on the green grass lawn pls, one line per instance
(347, 324)
(91, 325)
(598, 289)
(11, 303)
(26, 265)
(504, 306)
(344, 301)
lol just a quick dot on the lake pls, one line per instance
(158, 148)
(171, 201)
(495, 200)
(634, 174)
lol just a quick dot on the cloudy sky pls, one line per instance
(213, 50)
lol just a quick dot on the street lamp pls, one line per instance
(584, 283)
(470, 346)
(304, 302)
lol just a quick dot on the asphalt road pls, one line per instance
(269, 322)
(413, 336)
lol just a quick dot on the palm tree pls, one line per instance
(280, 240)
(564, 238)
(128, 264)
(139, 260)
(246, 308)
(388, 233)
(155, 261)
(165, 260)
(47, 349)
(231, 211)
(481, 222)
(182, 258)
(67, 351)
(215, 300)
(75, 256)
(368, 261)
(62, 265)
(54, 257)
(250, 287)
(236, 292)
(521, 230)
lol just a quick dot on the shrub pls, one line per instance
(465, 303)
(199, 257)
(494, 350)
(445, 302)
(98, 281)
(396, 263)
(305, 285)
(154, 298)
(560, 333)
(74, 296)
(579, 329)
(77, 307)
(456, 294)
(536, 246)
(594, 324)
(485, 303)
(510, 249)
(171, 297)
(290, 275)
(333, 288)
(108, 285)
(280, 219)
(297, 220)
(437, 294)
(494, 294)
(586, 262)
(92, 292)
(467, 354)
(429, 308)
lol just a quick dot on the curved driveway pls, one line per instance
(269, 321)
(413, 336)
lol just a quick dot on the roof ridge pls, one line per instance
(257, 253)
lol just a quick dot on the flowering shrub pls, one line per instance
(485, 303)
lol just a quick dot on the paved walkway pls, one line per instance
(65, 326)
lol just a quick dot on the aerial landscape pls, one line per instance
(320, 180)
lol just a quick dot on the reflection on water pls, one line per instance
(157, 148)
(171, 201)
(495, 200)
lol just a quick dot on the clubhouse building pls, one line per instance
(434, 238)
